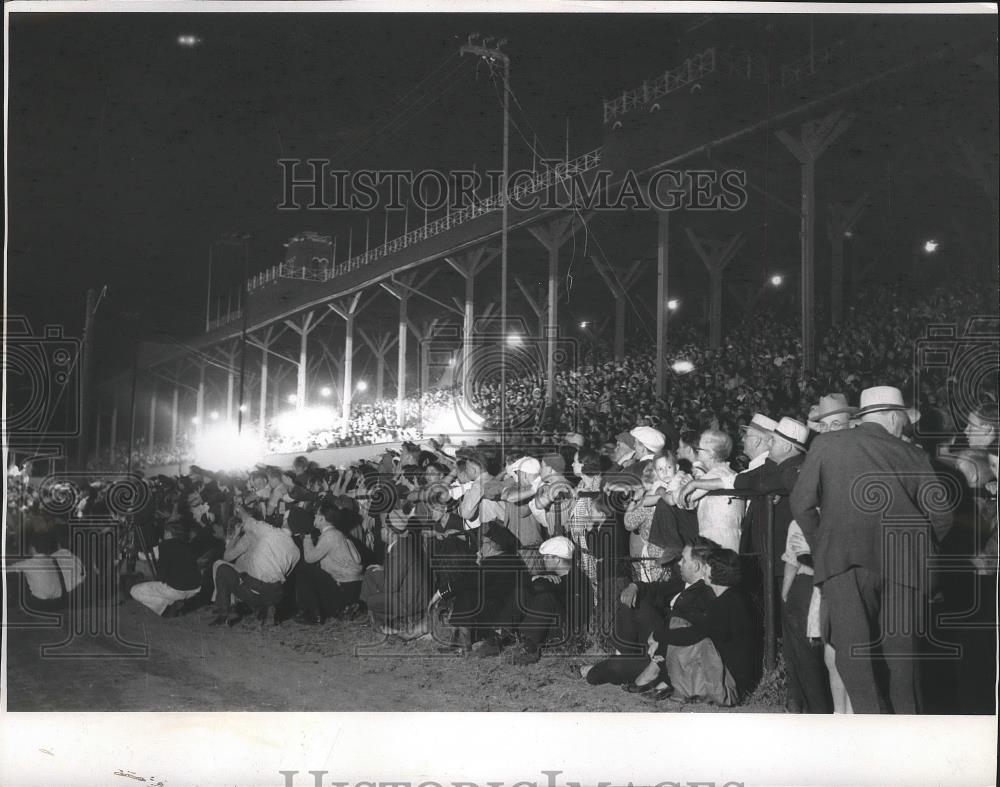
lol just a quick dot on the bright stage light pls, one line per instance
(188, 40)
(777, 280)
(514, 339)
(683, 367)
(673, 304)
(931, 246)
(196, 420)
(326, 390)
(362, 386)
(292, 398)
(584, 324)
(214, 415)
(304, 422)
(243, 408)
(223, 448)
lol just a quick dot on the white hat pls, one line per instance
(449, 450)
(793, 431)
(526, 464)
(762, 423)
(558, 546)
(881, 397)
(574, 438)
(652, 438)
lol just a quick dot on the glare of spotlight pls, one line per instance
(302, 423)
(683, 367)
(292, 398)
(848, 234)
(326, 390)
(931, 246)
(243, 408)
(195, 420)
(188, 40)
(224, 448)
(362, 386)
(584, 324)
(514, 338)
(673, 304)
(451, 362)
(214, 415)
(777, 280)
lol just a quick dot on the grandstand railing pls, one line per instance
(552, 176)
(691, 70)
(807, 66)
(225, 319)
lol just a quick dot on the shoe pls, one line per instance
(487, 649)
(634, 688)
(173, 610)
(232, 620)
(527, 656)
(218, 620)
(664, 693)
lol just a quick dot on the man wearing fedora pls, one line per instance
(862, 503)
(831, 414)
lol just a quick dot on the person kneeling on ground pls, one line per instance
(546, 605)
(329, 578)
(178, 577)
(257, 561)
(396, 593)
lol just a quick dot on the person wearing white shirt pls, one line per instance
(719, 517)
(329, 579)
(255, 565)
(51, 573)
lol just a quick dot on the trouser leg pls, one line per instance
(851, 603)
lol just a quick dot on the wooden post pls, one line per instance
(200, 405)
(173, 416)
(348, 309)
(842, 219)
(468, 266)
(716, 256)
(309, 323)
(618, 285)
(151, 436)
(816, 137)
(662, 266)
(380, 349)
(552, 237)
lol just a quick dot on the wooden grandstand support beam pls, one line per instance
(401, 288)
(552, 237)
(843, 217)
(618, 285)
(309, 322)
(716, 256)
(173, 414)
(347, 309)
(424, 334)
(380, 347)
(264, 341)
(662, 296)
(815, 137)
(468, 266)
(536, 304)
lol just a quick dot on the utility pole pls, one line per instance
(493, 55)
(87, 385)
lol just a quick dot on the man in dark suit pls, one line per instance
(862, 500)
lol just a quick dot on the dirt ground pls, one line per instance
(339, 666)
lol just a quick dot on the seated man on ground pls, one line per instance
(255, 565)
(548, 606)
(51, 573)
(178, 576)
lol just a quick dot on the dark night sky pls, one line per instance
(128, 154)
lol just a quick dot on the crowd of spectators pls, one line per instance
(613, 519)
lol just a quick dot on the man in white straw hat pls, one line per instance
(861, 501)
